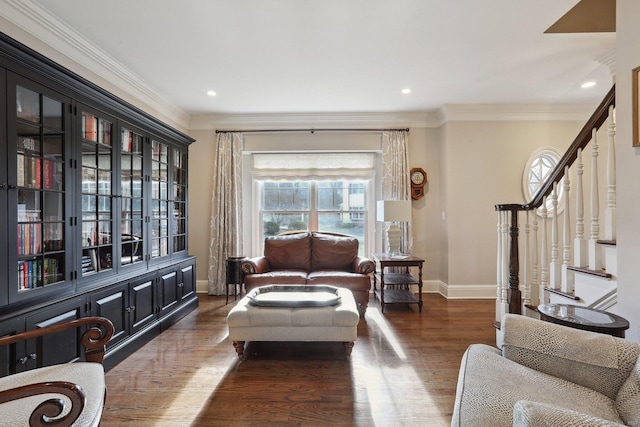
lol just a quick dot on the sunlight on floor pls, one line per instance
(377, 317)
(388, 387)
(192, 398)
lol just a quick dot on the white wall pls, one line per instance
(628, 167)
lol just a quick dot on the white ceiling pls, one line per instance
(302, 56)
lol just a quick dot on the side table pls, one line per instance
(586, 318)
(234, 276)
(399, 291)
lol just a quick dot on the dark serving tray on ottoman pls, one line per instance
(294, 296)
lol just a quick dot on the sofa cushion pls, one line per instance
(489, 385)
(330, 252)
(278, 277)
(343, 279)
(292, 251)
(628, 398)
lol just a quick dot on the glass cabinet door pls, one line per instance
(38, 135)
(179, 201)
(159, 199)
(131, 196)
(96, 193)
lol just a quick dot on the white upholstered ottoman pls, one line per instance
(334, 323)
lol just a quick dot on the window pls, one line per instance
(537, 170)
(337, 206)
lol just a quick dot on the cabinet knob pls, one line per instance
(24, 359)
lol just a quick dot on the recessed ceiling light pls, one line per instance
(586, 85)
(211, 93)
(406, 90)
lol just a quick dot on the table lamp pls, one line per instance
(394, 211)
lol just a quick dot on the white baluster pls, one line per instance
(526, 289)
(554, 265)
(544, 258)
(499, 265)
(595, 252)
(580, 254)
(539, 293)
(567, 275)
(502, 306)
(610, 215)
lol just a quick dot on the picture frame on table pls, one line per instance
(636, 110)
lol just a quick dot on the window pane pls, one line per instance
(274, 223)
(280, 196)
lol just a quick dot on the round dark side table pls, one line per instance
(234, 276)
(588, 319)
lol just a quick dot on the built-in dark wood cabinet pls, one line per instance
(93, 213)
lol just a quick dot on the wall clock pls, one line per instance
(418, 180)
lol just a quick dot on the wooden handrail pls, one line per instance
(596, 120)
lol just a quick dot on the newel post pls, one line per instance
(514, 295)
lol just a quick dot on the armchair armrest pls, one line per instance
(51, 408)
(257, 265)
(94, 340)
(536, 414)
(363, 265)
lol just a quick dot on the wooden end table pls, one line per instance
(585, 318)
(234, 276)
(399, 291)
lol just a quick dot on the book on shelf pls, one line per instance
(89, 126)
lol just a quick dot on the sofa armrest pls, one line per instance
(597, 361)
(363, 265)
(257, 265)
(536, 414)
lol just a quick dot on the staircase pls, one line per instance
(552, 255)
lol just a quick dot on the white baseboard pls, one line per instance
(428, 286)
(202, 286)
(470, 291)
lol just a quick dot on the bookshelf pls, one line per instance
(93, 192)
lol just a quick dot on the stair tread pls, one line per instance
(600, 273)
(570, 295)
(607, 242)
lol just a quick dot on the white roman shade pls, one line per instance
(313, 166)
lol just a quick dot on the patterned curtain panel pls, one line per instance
(226, 209)
(395, 176)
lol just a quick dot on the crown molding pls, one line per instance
(432, 119)
(609, 59)
(39, 23)
(307, 120)
(520, 112)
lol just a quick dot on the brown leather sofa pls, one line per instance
(311, 258)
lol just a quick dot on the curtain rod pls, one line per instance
(311, 130)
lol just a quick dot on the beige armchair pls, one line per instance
(61, 395)
(549, 375)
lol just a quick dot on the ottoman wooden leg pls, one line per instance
(348, 346)
(239, 346)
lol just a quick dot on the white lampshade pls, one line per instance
(394, 210)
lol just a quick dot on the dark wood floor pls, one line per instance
(402, 371)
